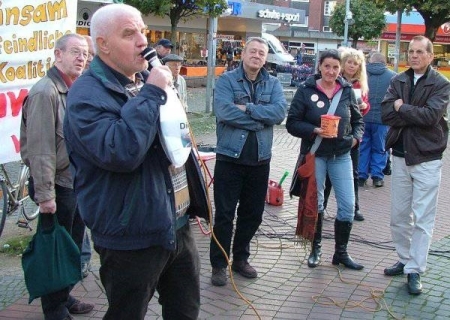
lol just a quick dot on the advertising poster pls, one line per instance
(28, 32)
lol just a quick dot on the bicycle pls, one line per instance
(14, 197)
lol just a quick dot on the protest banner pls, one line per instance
(29, 30)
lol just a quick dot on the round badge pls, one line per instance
(320, 104)
(314, 97)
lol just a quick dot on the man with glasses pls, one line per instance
(43, 150)
(248, 102)
(415, 108)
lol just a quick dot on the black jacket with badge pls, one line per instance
(422, 119)
(310, 103)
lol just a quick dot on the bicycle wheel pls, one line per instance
(3, 204)
(29, 207)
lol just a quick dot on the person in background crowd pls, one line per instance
(91, 51)
(43, 150)
(332, 158)
(163, 48)
(248, 102)
(387, 171)
(86, 251)
(174, 62)
(415, 107)
(354, 71)
(135, 202)
(373, 154)
(299, 57)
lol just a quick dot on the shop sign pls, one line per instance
(84, 17)
(408, 37)
(236, 8)
(225, 37)
(276, 15)
(446, 28)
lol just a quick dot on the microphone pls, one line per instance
(151, 56)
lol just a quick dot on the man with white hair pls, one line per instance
(135, 202)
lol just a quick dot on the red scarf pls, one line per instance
(307, 202)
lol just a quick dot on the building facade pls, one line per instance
(301, 25)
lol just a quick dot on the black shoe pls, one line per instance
(361, 183)
(387, 171)
(358, 216)
(414, 284)
(219, 277)
(377, 182)
(244, 269)
(395, 270)
(79, 307)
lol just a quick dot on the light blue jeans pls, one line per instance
(340, 172)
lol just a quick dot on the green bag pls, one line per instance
(51, 262)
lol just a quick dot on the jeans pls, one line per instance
(131, 277)
(86, 251)
(413, 210)
(354, 154)
(373, 155)
(54, 305)
(233, 184)
(340, 171)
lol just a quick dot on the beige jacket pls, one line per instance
(42, 145)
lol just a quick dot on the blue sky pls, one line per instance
(411, 18)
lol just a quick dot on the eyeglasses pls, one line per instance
(77, 52)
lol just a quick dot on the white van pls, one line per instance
(277, 53)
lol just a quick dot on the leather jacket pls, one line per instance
(422, 119)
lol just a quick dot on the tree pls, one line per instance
(434, 12)
(369, 20)
(180, 10)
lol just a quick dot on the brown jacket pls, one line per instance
(42, 145)
(422, 119)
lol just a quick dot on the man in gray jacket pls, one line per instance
(43, 150)
(415, 107)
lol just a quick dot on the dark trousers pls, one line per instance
(235, 183)
(54, 305)
(131, 277)
(354, 154)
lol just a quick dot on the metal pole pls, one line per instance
(212, 31)
(346, 20)
(398, 33)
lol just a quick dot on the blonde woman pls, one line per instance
(353, 66)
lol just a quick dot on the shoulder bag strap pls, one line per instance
(331, 111)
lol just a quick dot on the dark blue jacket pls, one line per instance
(379, 76)
(125, 193)
(309, 104)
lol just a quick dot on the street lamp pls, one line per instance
(347, 22)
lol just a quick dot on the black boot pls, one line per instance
(341, 235)
(316, 246)
(358, 215)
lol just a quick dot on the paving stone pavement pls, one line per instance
(286, 288)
